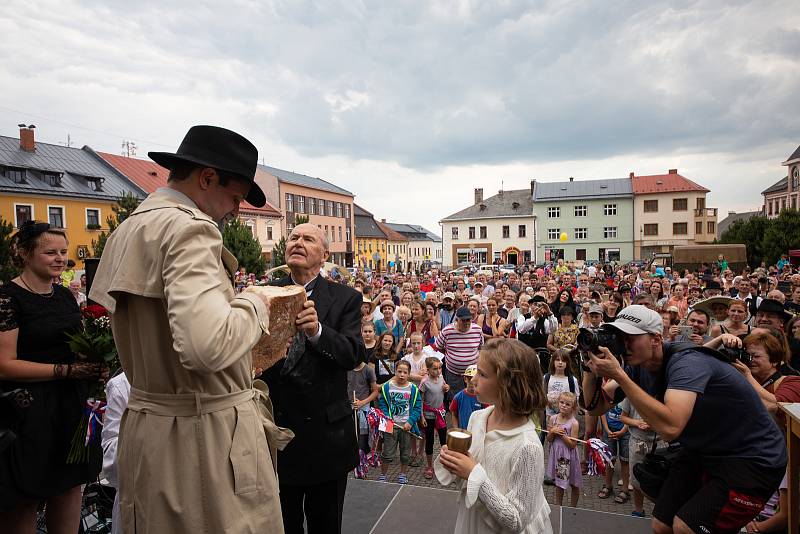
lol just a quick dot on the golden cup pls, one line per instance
(459, 440)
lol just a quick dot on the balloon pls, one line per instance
(563, 236)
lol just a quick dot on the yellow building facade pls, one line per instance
(78, 217)
(371, 252)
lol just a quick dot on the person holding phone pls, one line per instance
(695, 329)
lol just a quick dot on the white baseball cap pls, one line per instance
(637, 319)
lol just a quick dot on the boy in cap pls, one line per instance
(466, 401)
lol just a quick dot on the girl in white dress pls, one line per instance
(500, 479)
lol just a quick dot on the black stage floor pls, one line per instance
(388, 508)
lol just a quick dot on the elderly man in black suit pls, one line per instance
(309, 391)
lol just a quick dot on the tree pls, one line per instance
(7, 268)
(238, 238)
(300, 219)
(750, 233)
(279, 252)
(125, 206)
(782, 235)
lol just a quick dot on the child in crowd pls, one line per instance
(504, 469)
(433, 389)
(559, 379)
(466, 401)
(416, 358)
(564, 466)
(362, 389)
(640, 443)
(384, 358)
(368, 335)
(418, 370)
(616, 436)
(401, 402)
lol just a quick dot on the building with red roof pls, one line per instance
(670, 210)
(785, 193)
(264, 222)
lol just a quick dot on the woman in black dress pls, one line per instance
(35, 318)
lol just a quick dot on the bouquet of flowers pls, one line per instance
(93, 344)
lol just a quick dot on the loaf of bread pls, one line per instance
(284, 305)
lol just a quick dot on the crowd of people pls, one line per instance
(700, 358)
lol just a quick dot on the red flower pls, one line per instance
(95, 311)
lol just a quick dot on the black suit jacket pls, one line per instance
(312, 399)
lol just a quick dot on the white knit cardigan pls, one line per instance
(504, 491)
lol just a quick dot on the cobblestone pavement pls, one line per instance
(588, 499)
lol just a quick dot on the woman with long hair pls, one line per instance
(384, 357)
(490, 322)
(735, 324)
(612, 307)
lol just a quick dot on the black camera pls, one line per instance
(732, 354)
(590, 341)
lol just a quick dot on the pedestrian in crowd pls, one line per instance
(362, 388)
(184, 338)
(36, 316)
(459, 342)
(563, 465)
(433, 389)
(491, 323)
(504, 469)
(118, 390)
(567, 332)
(384, 357)
(465, 402)
(401, 402)
(640, 444)
(75, 289)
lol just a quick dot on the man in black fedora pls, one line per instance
(192, 453)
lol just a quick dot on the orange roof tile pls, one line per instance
(150, 176)
(391, 234)
(663, 183)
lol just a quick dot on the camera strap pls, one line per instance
(771, 380)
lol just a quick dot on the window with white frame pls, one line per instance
(455, 232)
(581, 233)
(553, 233)
(347, 234)
(609, 209)
(55, 216)
(338, 209)
(330, 208)
(289, 202)
(347, 211)
(312, 205)
(553, 212)
(22, 213)
(301, 204)
(609, 232)
(581, 210)
(269, 233)
(92, 218)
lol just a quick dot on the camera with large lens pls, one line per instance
(590, 341)
(13, 405)
(733, 354)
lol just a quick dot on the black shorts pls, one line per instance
(716, 494)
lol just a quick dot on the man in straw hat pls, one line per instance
(195, 444)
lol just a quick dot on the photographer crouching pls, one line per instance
(732, 456)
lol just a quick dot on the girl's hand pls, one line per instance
(446, 387)
(643, 426)
(459, 464)
(407, 427)
(423, 423)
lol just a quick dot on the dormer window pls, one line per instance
(53, 179)
(12, 173)
(95, 182)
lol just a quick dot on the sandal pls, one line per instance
(604, 493)
(429, 473)
(622, 497)
(381, 478)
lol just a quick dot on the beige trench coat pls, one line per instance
(193, 453)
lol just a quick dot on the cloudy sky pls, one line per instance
(411, 105)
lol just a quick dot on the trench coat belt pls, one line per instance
(197, 404)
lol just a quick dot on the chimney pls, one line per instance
(26, 139)
(478, 195)
(571, 179)
(673, 171)
(631, 175)
(533, 187)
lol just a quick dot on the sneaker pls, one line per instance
(638, 514)
(382, 478)
(402, 479)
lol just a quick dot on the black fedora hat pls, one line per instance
(221, 149)
(773, 306)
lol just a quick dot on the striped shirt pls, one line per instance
(460, 348)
